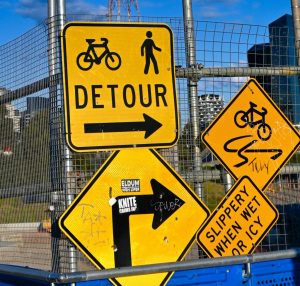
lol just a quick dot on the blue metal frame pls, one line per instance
(284, 272)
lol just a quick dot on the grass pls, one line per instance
(14, 210)
(213, 194)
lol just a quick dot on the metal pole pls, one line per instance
(55, 233)
(192, 92)
(59, 152)
(225, 179)
(296, 20)
(196, 74)
(61, 14)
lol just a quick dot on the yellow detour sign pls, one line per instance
(239, 222)
(252, 136)
(119, 86)
(135, 210)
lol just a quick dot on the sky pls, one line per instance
(19, 16)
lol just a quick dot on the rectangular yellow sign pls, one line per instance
(239, 222)
(119, 86)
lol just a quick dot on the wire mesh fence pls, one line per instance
(39, 176)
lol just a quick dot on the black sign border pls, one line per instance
(220, 205)
(91, 183)
(66, 100)
(206, 132)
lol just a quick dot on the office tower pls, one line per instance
(279, 52)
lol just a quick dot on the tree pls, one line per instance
(29, 162)
(33, 152)
(8, 140)
(185, 149)
(7, 134)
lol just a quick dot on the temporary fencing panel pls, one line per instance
(40, 176)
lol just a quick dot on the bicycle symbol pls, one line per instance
(246, 118)
(85, 60)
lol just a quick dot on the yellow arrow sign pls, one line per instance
(252, 136)
(132, 212)
(239, 222)
(119, 86)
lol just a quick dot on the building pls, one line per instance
(280, 51)
(14, 114)
(34, 106)
(9, 125)
(209, 107)
(260, 56)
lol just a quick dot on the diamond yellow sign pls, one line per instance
(239, 222)
(119, 82)
(252, 136)
(128, 216)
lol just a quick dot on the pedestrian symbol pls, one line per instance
(147, 51)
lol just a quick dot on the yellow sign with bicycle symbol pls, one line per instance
(85, 60)
(252, 136)
(119, 86)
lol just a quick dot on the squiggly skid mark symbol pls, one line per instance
(245, 149)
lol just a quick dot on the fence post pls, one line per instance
(61, 13)
(192, 94)
(60, 157)
(55, 233)
(296, 20)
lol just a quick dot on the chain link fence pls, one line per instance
(39, 176)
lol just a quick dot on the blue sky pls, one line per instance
(18, 16)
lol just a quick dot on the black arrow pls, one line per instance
(162, 204)
(245, 149)
(149, 125)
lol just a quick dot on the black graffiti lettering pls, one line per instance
(166, 205)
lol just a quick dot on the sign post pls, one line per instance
(128, 216)
(119, 86)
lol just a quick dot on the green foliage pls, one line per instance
(185, 149)
(13, 210)
(213, 194)
(7, 134)
(33, 152)
(30, 161)
(88, 162)
(295, 158)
